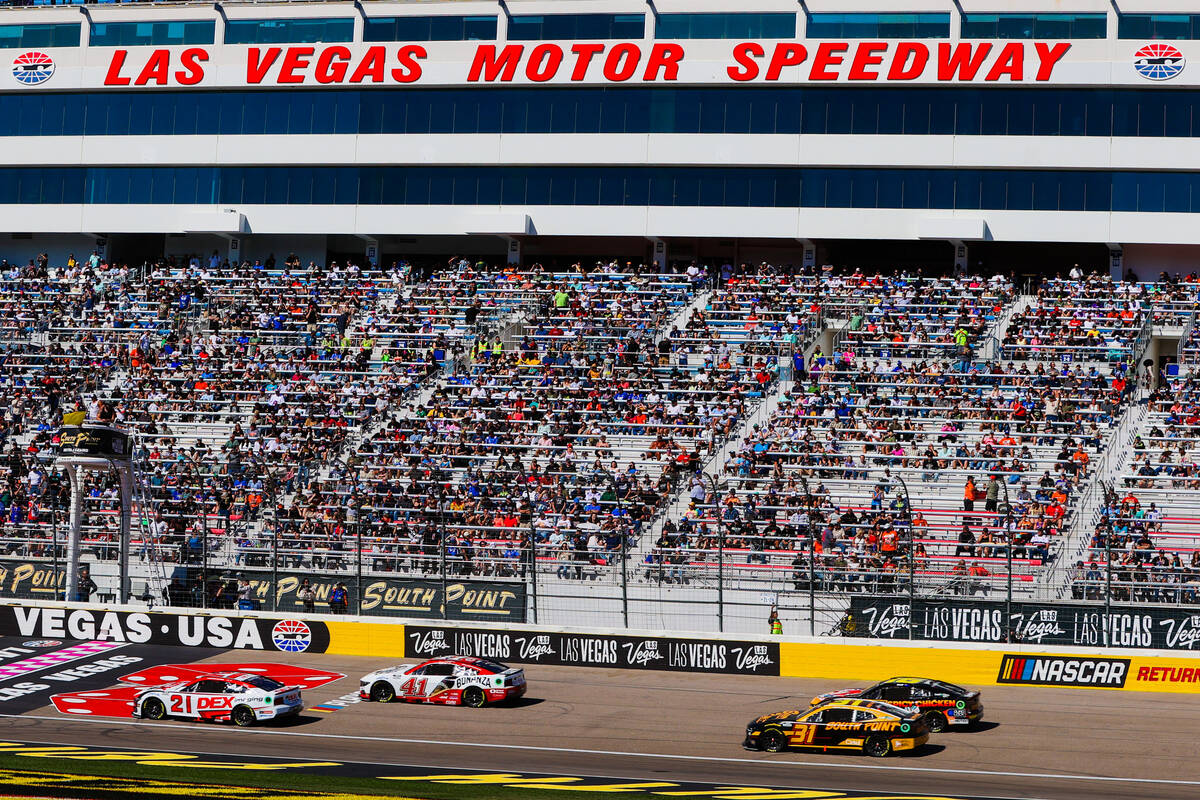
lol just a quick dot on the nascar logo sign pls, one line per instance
(1159, 62)
(1108, 673)
(33, 68)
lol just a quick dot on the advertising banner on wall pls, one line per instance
(171, 630)
(616, 651)
(1080, 625)
(29, 579)
(496, 601)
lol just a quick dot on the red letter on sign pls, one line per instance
(1010, 62)
(371, 65)
(536, 70)
(1049, 56)
(583, 58)
(664, 55)
(487, 64)
(828, 55)
(744, 54)
(192, 73)
(864, 56)
(329, 72)
(409, 70)
(900, 70)
(785, 55)
(155, 69)
(961, 60)
(622, 62)
(113, 77)
(295, 58)
(257, 70)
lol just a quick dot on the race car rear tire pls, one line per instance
(473, 697)
(878, 746)
(773, 741)
(382, 692)
(154, 708)
(242, 716)
(936, 721)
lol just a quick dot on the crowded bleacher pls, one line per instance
(815, 429)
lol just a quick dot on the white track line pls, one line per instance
(660, 756)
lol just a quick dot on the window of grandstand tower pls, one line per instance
(292, 31)
(878, 26)
(577, 26)
(428, 29)
(1034, 26)
(782, 187)
(744, 109)
(1158, 26)
(114, 34)
(29, 35)
(725, 26)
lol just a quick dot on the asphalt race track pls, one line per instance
(1035, 743)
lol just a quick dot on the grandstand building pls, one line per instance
(992, 135)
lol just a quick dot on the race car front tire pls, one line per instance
(382, 692)
(153, 708)
(936, 721)
(878, 746)
(243, 716)
(773, 741)
(473, 697)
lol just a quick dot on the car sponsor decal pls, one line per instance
(1063, 671)
(596, 650)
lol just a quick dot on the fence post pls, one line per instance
(442, 531)
(358, 545)
(274, 563)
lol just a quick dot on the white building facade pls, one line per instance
(664, 128)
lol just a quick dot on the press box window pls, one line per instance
(1034, 26)
(576, 26)
(115, 34)
(1158, 26)
(56, 35)
(288, 31)
(725, 26)
(429, 29)
(878, 26)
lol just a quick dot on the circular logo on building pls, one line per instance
(1158, 61)
(291, 635)
(33, 68)
(42, 643)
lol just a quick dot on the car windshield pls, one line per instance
(950, 687)
(260, 682)
(490, 666)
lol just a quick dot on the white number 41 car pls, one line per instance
(240, 698)
(447, 680)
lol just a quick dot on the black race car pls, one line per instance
(941, 704)
(875, 728)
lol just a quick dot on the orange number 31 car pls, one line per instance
(873, 727)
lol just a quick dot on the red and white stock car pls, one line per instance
(447, 680)
(239, 693)
(241, 698)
